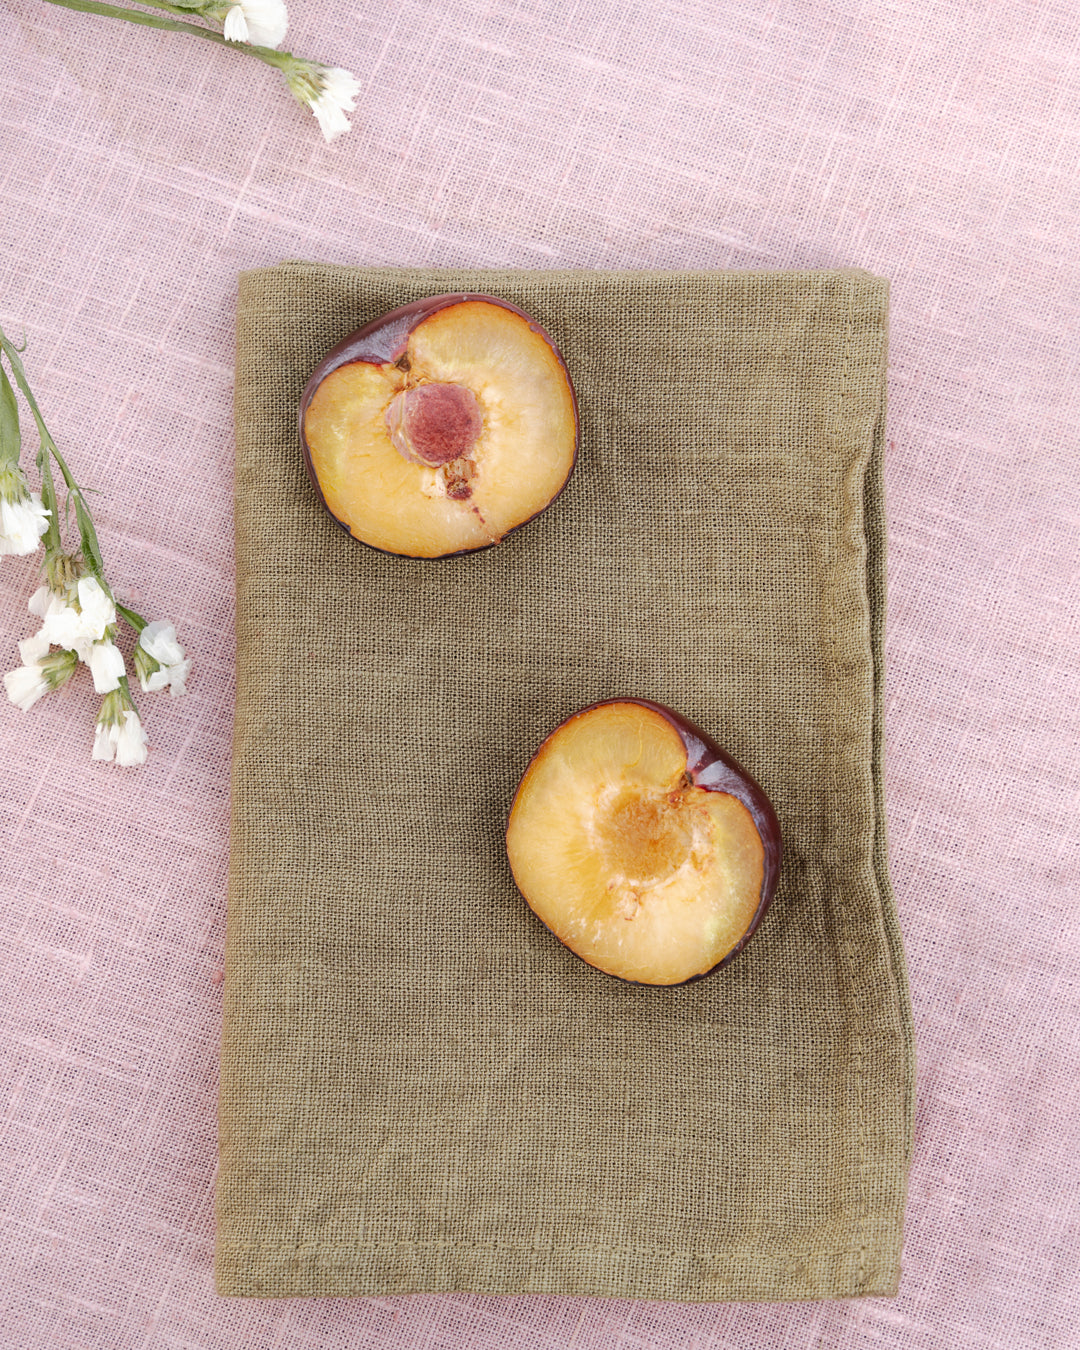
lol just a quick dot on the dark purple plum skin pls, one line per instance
(713, 769)
(385, 340)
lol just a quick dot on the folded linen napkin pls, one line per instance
(421, 1089)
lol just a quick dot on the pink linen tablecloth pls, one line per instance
(935, 142)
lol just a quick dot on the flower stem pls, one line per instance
(10, 436)
(87, 534)
(48, 451)
(183, 10)
(265, 54)
(129, 616)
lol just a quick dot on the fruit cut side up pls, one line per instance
(630, 865)
(390, 472)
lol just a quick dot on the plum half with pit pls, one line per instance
(644, 847)
(440, 427)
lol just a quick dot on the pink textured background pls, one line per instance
(934, 141)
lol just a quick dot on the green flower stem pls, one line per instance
(115, 703)
(281, 60)
(184, 11)
(51, 539)
(87, 534)
(88, 540)
(10, 439)
(129, 616)
(128, 701)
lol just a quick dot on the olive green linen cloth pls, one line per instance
(421, 1089)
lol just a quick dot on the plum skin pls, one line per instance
(713, 769)
(383, 341)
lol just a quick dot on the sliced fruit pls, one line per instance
(441, 427)
(643, 847)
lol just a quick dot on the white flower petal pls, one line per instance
(236, 29)
(267, 21)
(25, 686)
(63, 625)
(343, 85)
(97, 607)
(32, 649)
(22, 523)
(38, 604)
(158, 680)
(159, 639)
(105, 739)
(106, 666)
(339, 91)
(178, 677)
(131, 742)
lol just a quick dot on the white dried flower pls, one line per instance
(32, 649)
(328, 91)
(260, 22)
(119, 734)
(23, 517)
(338, 97)
(106, 665)
(80, 618)
(25, 685)
(123, 741)
(38, 677)
(40, 601)
(76, 607)
(160, 660)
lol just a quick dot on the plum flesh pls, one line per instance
(644, 847)
(441, 427)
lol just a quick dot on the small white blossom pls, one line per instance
(40, 601)
(159, 639)
(160, 660)
(328, 91)
(25, 685)
(76, 625)
(38, 677)
(124, 741)
(339, 91)
(32, 649)
(23, 516)
(97, 606)
(119, 734)
(106, 665)
(261, 22)
(131, 743)
(22, 523)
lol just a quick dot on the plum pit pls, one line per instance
(440, 427)
(434, 424)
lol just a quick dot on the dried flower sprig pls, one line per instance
(76, 606)
(256, 27)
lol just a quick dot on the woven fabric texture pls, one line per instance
(932, 142)
(421, 1089)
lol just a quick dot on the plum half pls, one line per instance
(646, 849)
(440, 427)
